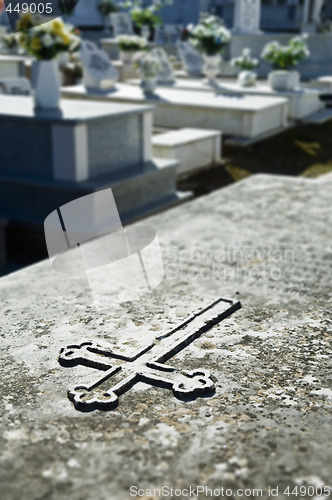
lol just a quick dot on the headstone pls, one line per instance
(86, 14)
(121, 24)
(311, 15)
(247, 16)
(165, 74)
(15, 86)
(173, 33)
(191, 59)
(99, 71)
(160, 37)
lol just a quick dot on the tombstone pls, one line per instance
(15, 86)
(311, 15)
(99, 72)
(191, 59)
(86, 14)
(173, 33)
(160, 37)
(121, 24)
(165, 74)
(247, 17)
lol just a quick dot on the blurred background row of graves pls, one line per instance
(161, 100)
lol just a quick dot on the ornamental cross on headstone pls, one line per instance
(146, 364)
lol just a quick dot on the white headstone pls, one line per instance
(165, 74)
(168, 34)
(191, 59)
(160, 35)
(173, 33)
(86, 14)
(15, 86)
(247, 16)
(121, 24)
(99, 72)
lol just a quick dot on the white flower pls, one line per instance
(47, 41)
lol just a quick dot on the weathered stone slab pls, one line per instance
(266, 241)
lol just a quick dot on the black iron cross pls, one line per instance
(147, 364)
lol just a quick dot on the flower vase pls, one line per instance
(47, 84)
(127, 56)
(211, 68)
(148, 84)
(283, 80)
(145, 32)
(247, 78)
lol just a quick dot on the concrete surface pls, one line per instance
(265, 241)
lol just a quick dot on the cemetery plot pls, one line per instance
(302, 101)
(235, 115)
(11, 66)
(255, 238)
(15, 86)
(51, 158)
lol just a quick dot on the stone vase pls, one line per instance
(148, 84)
(282, 80)
(127, 56)
(247, 78)
(211, 68)
(47, 85)
(145, 32)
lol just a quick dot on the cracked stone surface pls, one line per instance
(266, 241)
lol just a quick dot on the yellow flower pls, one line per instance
(35, 44)
(57, 26)
(25, 22)
(65, 38)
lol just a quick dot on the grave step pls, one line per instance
(245, 142)
(318, 118)
(138, 192)
(193, 148)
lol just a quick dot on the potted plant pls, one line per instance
(129, 45)
(247, 77)
(210, 38)
(147, 67)
(283, 59)
(106, 7)
(45, 42)
(9, 43)
(146, 19)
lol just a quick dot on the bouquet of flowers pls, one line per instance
(106, 7)
(47, 40)
(145, 16)
(209, 36)
(132, 43)
(245, 61)
(9, 41)
(285, 57)
(147, 66)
